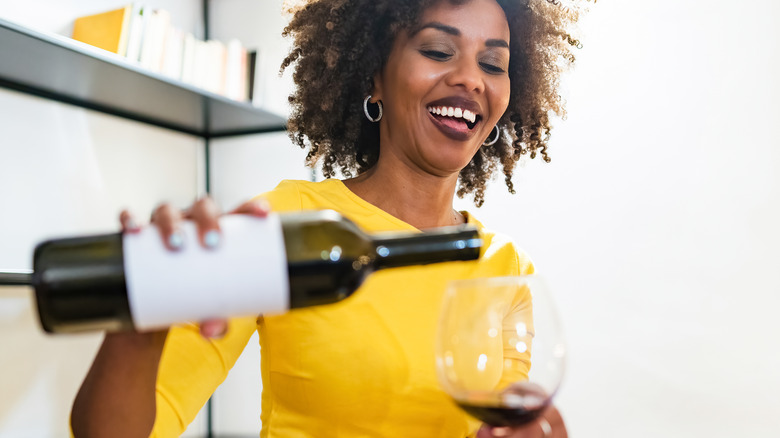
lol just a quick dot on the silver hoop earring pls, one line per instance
(492, 142)
(365, 110)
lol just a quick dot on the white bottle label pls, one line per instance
(245, 275)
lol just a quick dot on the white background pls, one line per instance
(656, 222)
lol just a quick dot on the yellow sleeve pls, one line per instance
(191, 368)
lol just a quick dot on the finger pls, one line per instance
(128, 223)
(168, 220)
(213, 328)
(555, 425)
(205, 214)
(255, 207)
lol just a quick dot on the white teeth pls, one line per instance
(449, 111)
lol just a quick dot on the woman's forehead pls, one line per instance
(486, 16)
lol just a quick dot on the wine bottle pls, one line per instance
(130, 281)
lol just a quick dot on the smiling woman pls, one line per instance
(341, 49)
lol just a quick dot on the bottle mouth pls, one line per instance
(15, 277)
(456, 245)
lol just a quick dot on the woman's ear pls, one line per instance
(376, 90)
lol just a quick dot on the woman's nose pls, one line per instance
(467, 74)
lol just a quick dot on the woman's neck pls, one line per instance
(415, 197)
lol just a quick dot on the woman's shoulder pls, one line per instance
(291, 195)
(500, 248)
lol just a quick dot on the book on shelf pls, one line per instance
(188, 58)
(147, 38)
(107, 30)
(171, 65)
(136, 32)
(236, 73)
(154, 39)
(252, 68)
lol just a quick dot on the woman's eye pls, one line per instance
(491, 68)
(436, 55)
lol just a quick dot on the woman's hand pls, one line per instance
(205, 214)
(548, 425)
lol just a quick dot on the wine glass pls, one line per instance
(499, 348)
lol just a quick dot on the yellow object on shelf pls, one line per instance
(107, 30)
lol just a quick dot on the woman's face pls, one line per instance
(445, 85)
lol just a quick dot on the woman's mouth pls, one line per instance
(455, 122)
(449, 114)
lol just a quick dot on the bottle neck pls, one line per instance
(440, 245)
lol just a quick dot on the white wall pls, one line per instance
(656, 221)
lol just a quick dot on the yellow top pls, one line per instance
(361, 367)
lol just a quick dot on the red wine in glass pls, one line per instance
(502, 415)
(519, 404)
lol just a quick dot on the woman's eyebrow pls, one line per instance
(455, 32)
(497, 43)
(439, 26)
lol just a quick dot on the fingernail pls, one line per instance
(500, 431)
(213, 330)
(175, 240)
(132, 225)
(212, 333)
(211, 239)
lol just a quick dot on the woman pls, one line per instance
(415, 97)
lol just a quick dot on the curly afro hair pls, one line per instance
(339, 45)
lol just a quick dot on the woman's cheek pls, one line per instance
(501, 95)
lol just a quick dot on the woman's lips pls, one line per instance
(453, 128)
